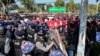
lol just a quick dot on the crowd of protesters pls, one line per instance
(31, 35)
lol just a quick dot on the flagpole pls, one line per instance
(61, 44)
(82, 30)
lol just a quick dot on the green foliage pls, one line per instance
(28, 4)
(8, 1)
(91, 9)
(59, 3)
(13, 7)
(1, 11)
(48, 6)
(22, 10)
(72, 6)
(99, 8)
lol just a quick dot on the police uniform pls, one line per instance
(2, 36)
(38, 52)
(17, 43)
(31, 32)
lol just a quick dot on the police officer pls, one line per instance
(41, 47)
(19, 34)
(30, 32)
(2, 36)
(46, 31)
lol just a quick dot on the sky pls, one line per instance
(52, 1)
(76, 1)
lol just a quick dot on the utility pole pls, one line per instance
(97, 6)
(82, 30)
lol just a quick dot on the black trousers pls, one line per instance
(2, 43)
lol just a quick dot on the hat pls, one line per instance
(33, 25)
(19, 32)
(8, 26)
(27, 46)
(40, 32)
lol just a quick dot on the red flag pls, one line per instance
(51, 24)
(40, 21)
(34, 21)
(64, 22)
(57, 23)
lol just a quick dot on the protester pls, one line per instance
(40, 33)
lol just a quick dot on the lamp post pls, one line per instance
(97, 6)
(82, 30)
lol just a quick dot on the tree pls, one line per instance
(28, 4)
(48, 6)
(99, 8)
(91, 9)
(2, 4)
(59, 3)
(13, 7)
(5, 3)
(71, 6)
